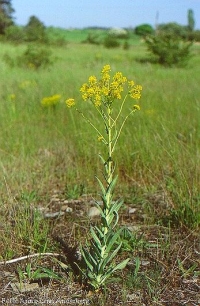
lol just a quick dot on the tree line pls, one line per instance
(34, 30)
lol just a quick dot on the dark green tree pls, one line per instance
(144, 30)
(6, 18)
(35, 30)
(191, 21)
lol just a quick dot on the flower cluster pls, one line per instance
(70, 102)
(106, 90)
(50, 101)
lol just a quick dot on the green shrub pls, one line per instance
(111, 42)
(15, 34)
(168, 50)
(126, 45)
(194, 36)
(144, 29)
(34, 57)
(173, 29)
(93, 39)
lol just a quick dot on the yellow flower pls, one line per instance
(106, 69)
(51, 101)
(84, 87)
(136, 107)
(92, 80)
(119, 78)
(105, 77)
(135, 92)
(70, 102)
(131, 83)
(105, 91)
(90, 92)
(97, 101)
(100, 138)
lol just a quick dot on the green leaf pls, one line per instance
(110, 257)
(101, 185)
(95, 237)
(112, 241)
(121, 265)
(96, 251)
(87, 258)
(99, 207)
(112, 185)
(102, 159)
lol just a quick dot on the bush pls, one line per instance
(144, 30)
(15, 34)
(173, 29)
(126, 45)
(194, 36)
(34, 57)
(168, 50)
(111, 42)
(93, 39)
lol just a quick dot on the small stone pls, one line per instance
(64, 207)
(68, 209)
(93, 212)
(54, 215)
(132, 210)
(145, 262)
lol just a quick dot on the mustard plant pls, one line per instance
(103, 93)
(50, 101)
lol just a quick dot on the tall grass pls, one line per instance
(40, 147)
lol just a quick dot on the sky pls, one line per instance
(105, 13)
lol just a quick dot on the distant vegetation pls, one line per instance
(167, 43)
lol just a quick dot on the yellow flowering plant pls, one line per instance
(98, 254)
(50, 101)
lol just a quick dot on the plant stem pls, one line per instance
(109, 171)
(121, 129)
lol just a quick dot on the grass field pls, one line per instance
(48, 152)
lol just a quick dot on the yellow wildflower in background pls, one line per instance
(135, 92)
(50, 101)
(100, 138)
(70, 102)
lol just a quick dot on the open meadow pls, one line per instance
(49, 159)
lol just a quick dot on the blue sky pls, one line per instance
(106, 13)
